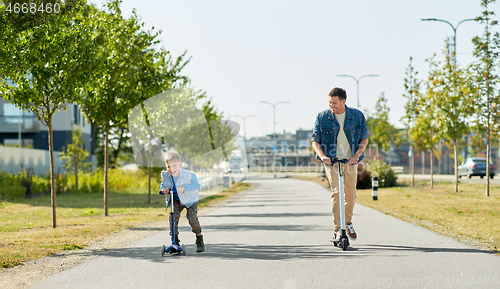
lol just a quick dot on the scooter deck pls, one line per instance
(174, 249)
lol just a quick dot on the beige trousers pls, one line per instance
(350, 178)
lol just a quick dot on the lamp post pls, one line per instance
(274, 129)
(274, 114)
(357, 81)
(455, 68)
(244, 123)
(454, 33)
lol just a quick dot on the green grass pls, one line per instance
(26, 231)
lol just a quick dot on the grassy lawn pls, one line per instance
(26, 231)
(467, 215)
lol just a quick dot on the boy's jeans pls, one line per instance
(350, 178)
(191, 215)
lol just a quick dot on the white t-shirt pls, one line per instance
(343, 148)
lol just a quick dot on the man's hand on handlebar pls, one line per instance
(326, 160)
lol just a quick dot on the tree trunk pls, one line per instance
(76, 171)
(52, 173)
(455, 151)
(149, 174)
(432, 172)
(423, 162)
(390, 160)
(106, 163)
(488, 165)
(120, 141)
(412, 167)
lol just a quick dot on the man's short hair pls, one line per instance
(172, 155)
(340, 92)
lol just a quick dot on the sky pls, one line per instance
(244, 52)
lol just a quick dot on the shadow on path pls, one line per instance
(270, 215)
(264, 227)
(276, 252)
(374, 248)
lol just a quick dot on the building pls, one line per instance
(290, 149)
(18, 126)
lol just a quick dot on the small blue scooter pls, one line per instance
(174, 248)
(344, 241)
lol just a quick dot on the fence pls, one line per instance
(14, 159)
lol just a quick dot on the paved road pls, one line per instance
(277, 236)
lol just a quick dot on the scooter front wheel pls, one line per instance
(163, 251)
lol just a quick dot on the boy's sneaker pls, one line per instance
(350, 232)
(200, 246)
(177, 241)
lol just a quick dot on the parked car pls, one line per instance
(475, 167)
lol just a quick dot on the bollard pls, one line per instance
(323, 174)
(375, 188)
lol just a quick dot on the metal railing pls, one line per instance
(11, 123)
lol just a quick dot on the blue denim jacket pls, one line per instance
(326, 129)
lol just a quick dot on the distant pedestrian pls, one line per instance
(341, 132)
(184, 185)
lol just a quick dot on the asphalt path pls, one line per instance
(277, 235)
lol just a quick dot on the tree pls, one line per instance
(47, 62)
(383, 133)
(173, 120)
(121, 60)
(425, 134)
(74, 155)
(487, 55)
(452, 90)
(412, 87)
(13, 24)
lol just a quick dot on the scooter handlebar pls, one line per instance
(336, 160)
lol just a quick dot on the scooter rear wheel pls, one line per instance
(344, 243)
(163, 251)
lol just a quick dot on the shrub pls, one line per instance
(40, 185)
(26, 178)
(364, 180)
(386, 176)
(11, 186)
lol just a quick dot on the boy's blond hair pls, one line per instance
(172, 155)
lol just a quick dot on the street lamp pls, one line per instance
(455, 67)
(357, 81)
(454, 32)
(274, 133)
(274, 113)
(244, 123)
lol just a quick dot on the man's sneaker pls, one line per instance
(350, 232)
(200, 246)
